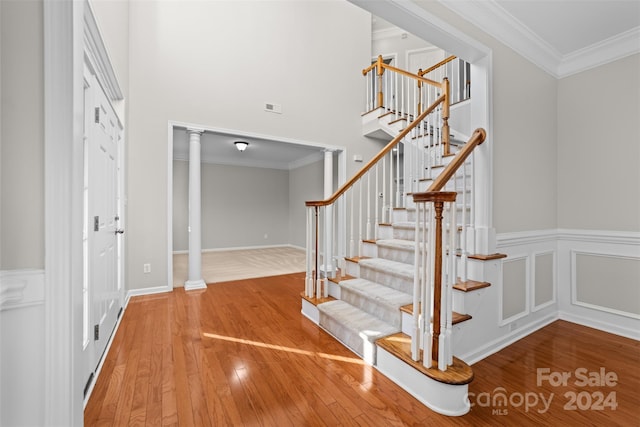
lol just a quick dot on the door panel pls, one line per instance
(104, 299)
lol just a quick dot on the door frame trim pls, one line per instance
(70, 31)
(342, 165)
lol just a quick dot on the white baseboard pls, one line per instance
(506, 340)
(601, 325)
(242, 248)
(146, 291)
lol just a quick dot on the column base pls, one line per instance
(190, 285)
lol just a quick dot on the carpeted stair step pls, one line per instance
(355, 328)
(394, 274)
(381, 301)
(396, 250)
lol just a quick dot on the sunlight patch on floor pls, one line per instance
(286, 349)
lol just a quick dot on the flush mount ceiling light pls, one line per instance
(241, 145)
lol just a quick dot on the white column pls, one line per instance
(328, 214)
(195, 230)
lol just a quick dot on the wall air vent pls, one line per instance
(273, 108)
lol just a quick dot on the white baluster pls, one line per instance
(351, 227)
(309, 254)
(417, 287)
(399, 200)
(368, 85)
(463, 233)
(395, 100)
(360, 220)
(428, 300)
(376, 195)
(452, 276)
(368, 228)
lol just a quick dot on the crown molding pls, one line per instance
(601, 53)
(387, 33)
(490, 17)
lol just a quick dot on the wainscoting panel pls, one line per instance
(515, 288)
(599, 280)
(544, 286)
(606, 282)
(22, 351)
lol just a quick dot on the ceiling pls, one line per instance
(563, 37)
(218, 147)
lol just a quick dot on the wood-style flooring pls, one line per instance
(241, 354)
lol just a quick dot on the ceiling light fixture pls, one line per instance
(241, 145)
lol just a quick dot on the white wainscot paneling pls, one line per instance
(599, 280)
(534, 254)
(22, 347)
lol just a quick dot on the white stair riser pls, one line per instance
(369, 250)
(397, 254)
(403, 284)
(379, 309)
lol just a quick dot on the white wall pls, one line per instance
(216, 63)
(386, 42)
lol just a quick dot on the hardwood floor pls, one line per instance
(241, 354)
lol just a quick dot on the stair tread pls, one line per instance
(455, 316)
(315, 300)
(470, 285)
(340, 276)
(393, 267)
(378, 292)
(396, 243)
(356, 259)
(354, 319)
(399, 345)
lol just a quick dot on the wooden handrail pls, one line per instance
(438, 65)
(400, 71)
(476, 139)
(377, 157)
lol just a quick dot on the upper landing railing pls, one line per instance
(405, 94)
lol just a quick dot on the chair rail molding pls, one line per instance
(21, 288)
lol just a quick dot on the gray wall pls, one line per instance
(305, 183)
(240, 205)
(22, 136)
(599, 148)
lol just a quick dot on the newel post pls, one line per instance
(445, 116)
(439, 198)
(379, 72)
(420, 92)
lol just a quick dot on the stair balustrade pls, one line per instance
(396, 178)
(436, 266)
(457, 71)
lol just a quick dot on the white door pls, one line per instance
(102, 293)
(421, 59)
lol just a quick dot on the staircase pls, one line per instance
(391, 300)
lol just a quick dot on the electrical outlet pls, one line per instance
(146, 268)
(266, 236)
